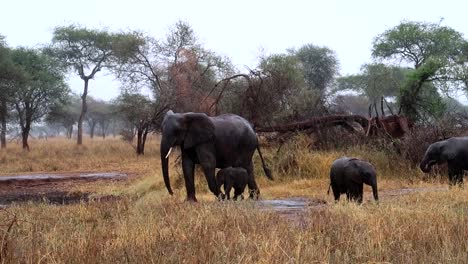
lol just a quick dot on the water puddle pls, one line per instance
(294, 209)
(52, 177)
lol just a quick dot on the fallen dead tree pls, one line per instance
(317, 123)
(393, 126)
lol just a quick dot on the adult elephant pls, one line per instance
(213, 142)
(348, 175)
(453, 151)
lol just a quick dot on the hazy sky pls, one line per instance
(237, 29)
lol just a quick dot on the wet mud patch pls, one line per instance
(63, 177)
(406, 191)
(55, 188)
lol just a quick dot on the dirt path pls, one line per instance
(53, 188)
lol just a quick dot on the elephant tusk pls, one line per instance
(169, 153)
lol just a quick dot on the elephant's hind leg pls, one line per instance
(238, 192)
(354, 194)
(336, 193)
(254, 192)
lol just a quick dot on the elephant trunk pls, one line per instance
(425, 165)
(165, 151)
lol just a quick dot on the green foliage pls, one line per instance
(10, 73)
(437, 55)
(419, 97)
(374, 81)
(43, 86)
(416, 42)
(319, 65)
(65, 113)
(81, 49)
(135, 108)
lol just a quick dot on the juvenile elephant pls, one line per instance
(213, 142)
(348, 175)
(454, 151)
(232, 177)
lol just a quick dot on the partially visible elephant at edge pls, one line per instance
(454, 151)
(348, 175)
(213, 142)
(232, 177)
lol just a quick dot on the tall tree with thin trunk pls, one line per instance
(140, 113)
(43, 87)
(10, 76)
(88, 51)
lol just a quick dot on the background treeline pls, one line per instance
(418, 68)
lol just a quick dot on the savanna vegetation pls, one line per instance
(45, 128)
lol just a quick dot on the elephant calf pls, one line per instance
(348, 175)
(232, 177)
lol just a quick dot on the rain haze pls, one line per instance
(241, 30)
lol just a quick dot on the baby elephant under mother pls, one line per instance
(213, 142)
(348, 175)
(453, 151)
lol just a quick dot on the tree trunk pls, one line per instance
(139, 149)
(3, 133)
(69, 131)
(84, 108)
(3, 116)
(104, 127)
(144, 140)
(24, 136)
(91, 129)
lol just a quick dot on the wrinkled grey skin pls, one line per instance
(454, 151)
(232, 177)
(348, 175)
(213, 142)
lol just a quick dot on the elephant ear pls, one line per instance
(200, 129)
(447, 153)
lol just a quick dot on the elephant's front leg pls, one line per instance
(455, 175)
(207, 160)
(188, 167)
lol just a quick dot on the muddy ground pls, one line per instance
(54, 188)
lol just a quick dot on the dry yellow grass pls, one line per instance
(147, 225)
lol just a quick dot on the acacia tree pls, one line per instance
(374, 81)
(138, 112)
(65, 114)
(99, 115)
(10, 76)
(87, 52)
(43, 87)
(432, 49)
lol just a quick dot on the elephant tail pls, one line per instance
(328, 192)
(265, 168)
